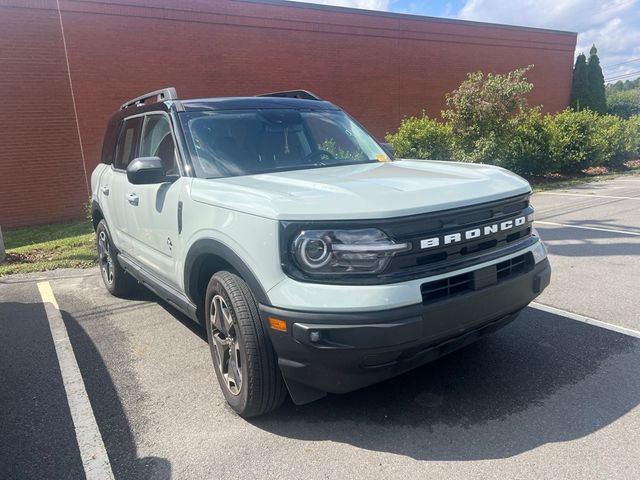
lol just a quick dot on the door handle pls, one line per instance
(105, 190)
(133, 199)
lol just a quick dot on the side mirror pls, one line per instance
(391, 151)
(146, 171)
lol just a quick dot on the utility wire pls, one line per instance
(621, 63)
(624, 74)
(626, 77)
(620, 77)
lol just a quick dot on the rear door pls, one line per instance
(126, 150)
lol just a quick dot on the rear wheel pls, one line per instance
(243, 357)
(117, 281)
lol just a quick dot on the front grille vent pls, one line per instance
(512, 267)
(460, 284)
(447, 287)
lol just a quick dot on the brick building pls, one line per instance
(66, 65)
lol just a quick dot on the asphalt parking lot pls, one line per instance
(555, 394)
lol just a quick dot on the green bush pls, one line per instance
(612, 131)
(527, 151)
(531, 144)
(575, 142)
(488, 121)
(490, 148)
(632, 134)
(422, 137)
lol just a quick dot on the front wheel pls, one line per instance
(243, 357)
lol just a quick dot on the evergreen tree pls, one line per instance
(596, 82)
(580, 98)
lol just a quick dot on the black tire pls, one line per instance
(259, 387)
(118, 282)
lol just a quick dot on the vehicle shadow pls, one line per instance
(142, 294)
(544, 378)
(574, 242)
(109, 413)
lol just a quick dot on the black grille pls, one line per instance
(422, 262)
(457, 255)
(476, 280)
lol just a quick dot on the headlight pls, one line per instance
(344, 251)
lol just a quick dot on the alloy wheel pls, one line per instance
(226, 344)
(104, 254)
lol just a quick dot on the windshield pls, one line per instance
(244, 142)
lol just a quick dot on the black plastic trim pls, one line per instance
(339, 352)
(159, 287)
(95, 207)
(214, 247)
(301, 94)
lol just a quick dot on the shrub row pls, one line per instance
(529, 143)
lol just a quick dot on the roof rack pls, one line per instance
(161, 95)
(302, 94)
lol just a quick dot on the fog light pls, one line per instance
(314, 336)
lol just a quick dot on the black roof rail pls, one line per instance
(302, 94)
(161, 95)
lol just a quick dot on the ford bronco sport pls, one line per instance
(315, 260)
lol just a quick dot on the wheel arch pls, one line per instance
(207, 256)
(96, 214)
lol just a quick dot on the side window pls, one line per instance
(157, 141)
(126, 147)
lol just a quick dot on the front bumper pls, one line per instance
(341, 352)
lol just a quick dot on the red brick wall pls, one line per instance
(379, 67)
(41, 172)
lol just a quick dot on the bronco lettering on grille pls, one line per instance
(478, 232)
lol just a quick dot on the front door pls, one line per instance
(153, 221)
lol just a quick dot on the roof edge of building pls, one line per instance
(406, 16)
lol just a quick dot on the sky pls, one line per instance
(613, 25)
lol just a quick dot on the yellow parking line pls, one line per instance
(92, 451)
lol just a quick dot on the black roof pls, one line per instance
(241, 103)
(166, 99)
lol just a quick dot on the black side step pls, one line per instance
(165, 291)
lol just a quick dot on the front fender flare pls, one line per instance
(210, 246)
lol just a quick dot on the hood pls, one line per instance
(372, 190)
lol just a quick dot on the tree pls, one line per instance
(622, 86)
(580, 93)
(480, 112)
(623, 98)
(625, 103)
(596, 82)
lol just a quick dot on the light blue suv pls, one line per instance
(315, 260)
